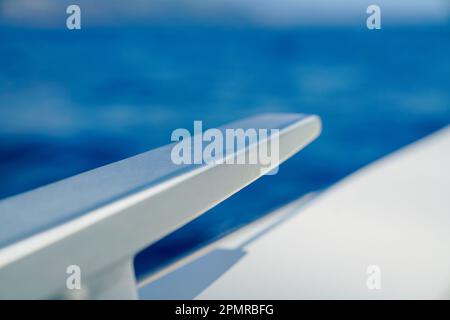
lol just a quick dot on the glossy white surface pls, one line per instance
(100, 219)
(394, 214)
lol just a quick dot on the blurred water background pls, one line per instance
(71, 101)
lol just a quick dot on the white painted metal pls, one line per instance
(394, 214)
(100, 219)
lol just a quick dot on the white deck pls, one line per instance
(394, 214)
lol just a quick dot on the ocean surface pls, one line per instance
(73, 101)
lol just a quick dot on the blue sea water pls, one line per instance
(73, 101)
